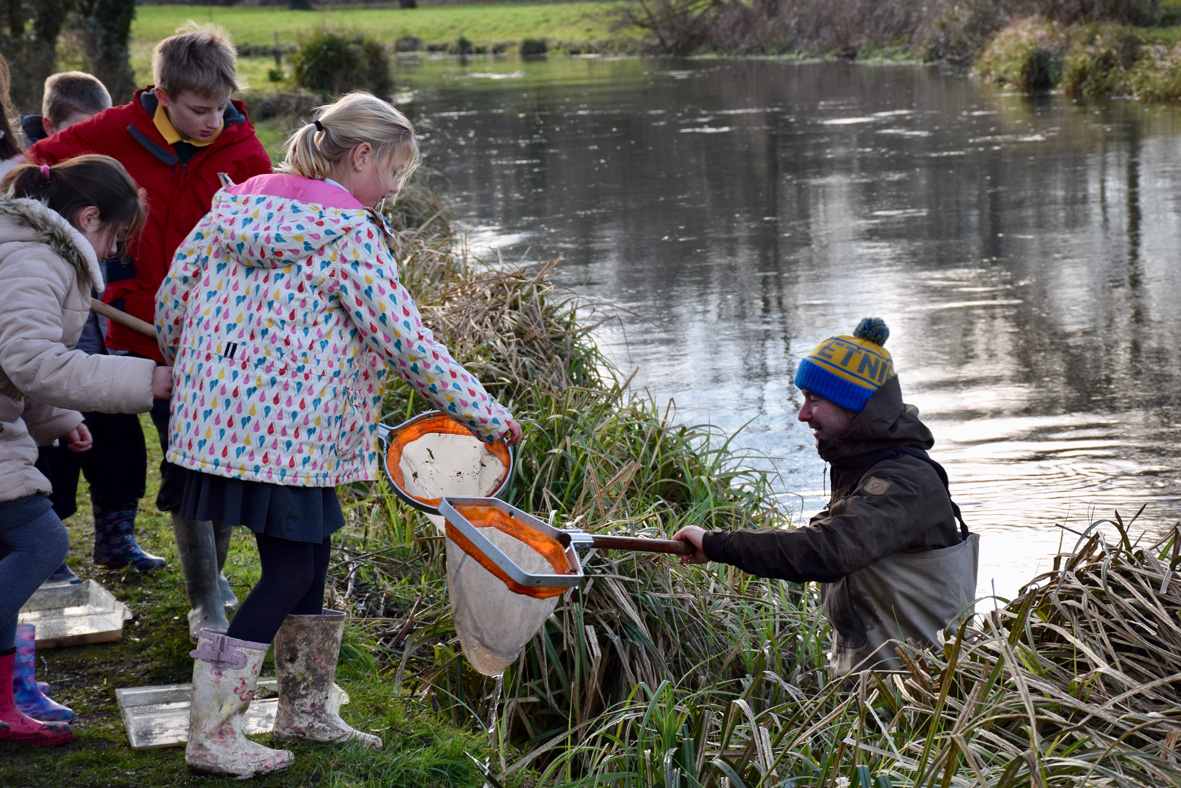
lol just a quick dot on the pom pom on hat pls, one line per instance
(873, 329)
(847, 370)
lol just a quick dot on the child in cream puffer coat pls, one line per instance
(55, 224)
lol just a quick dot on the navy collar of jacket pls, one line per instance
(162, 150)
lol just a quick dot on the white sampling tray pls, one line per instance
(156, 717)
(74, 615)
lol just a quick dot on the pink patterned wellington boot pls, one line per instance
(225, 673)
(30, 698)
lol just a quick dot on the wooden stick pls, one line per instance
(122, 318)
(638, 544)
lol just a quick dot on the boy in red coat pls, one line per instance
(174, 138)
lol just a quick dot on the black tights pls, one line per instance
(292, 582)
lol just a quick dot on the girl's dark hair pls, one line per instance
(81, 182)
(10, 142)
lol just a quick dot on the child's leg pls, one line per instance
(312, 602)
(33, 543)
(307, 648)
(293, 574)
(197, 541)
(172, 477)
(116, 469)
(61, 467)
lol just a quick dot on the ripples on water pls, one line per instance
(1023, 252)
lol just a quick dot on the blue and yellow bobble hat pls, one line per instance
(846, 370)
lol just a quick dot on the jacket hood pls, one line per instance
(47, 226)
(33, 130)
(886, 422)
(272, 221)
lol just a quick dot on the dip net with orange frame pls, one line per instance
(506, 569)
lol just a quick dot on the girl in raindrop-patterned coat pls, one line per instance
(283, 312)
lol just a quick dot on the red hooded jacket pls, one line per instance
(178, 194)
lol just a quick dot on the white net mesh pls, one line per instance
(494, 623)
(439, 464)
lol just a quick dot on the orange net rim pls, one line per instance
(411, 430)
(547, 546)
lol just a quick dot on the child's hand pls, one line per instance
(162, 382)
(79, 439)
(513, 436)
(693, 535)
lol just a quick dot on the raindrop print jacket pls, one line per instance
(283, 312)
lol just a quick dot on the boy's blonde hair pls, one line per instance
(72, 92)
(199, 59)
(314, 149)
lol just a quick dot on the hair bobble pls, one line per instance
(46, 173)
(319, 126)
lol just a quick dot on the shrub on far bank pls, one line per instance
(409, 44)
(958, 32)
(844, 28)
(532, 47)
(1156, 76)
(1027, 55)
(463, 46)
(1099, 60)
(292, 105)
(337, 60)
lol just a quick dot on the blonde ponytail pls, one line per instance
(317, 147)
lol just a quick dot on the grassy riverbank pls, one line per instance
(579, 27)
(1010, 43)
(1085, 60)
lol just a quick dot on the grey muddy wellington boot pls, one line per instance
(225, 674)
(222, 534)
(197, 546)
(306, 652)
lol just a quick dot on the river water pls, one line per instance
(1022, 250)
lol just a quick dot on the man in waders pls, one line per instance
(890, 551)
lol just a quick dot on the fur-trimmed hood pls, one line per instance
(46, 271)
(51, 228)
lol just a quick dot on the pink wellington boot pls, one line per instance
(15, 726)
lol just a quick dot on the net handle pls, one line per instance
(641, 545)
(122, 318)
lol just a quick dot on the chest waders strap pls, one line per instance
(891, 454)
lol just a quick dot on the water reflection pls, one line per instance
(1022, 251)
